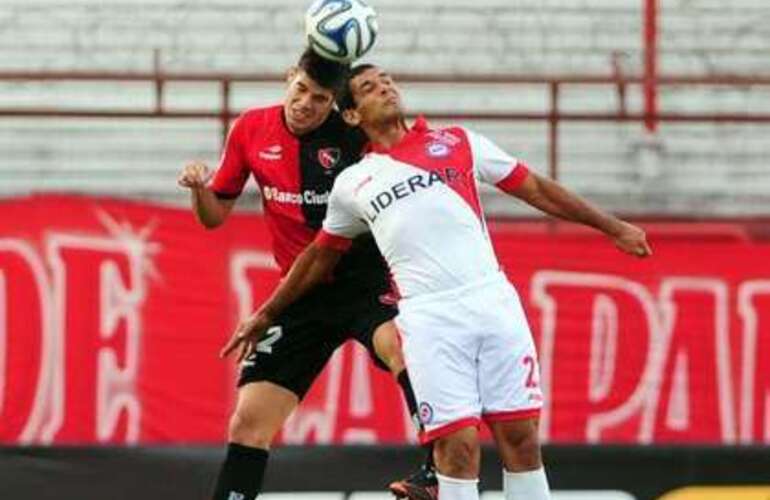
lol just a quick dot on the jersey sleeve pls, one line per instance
(233, 171)
(342, 222)
(495, 166)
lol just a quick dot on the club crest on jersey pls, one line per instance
(426, 413)
(329, 157)
(437, 149)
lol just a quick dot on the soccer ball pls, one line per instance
(341, 30)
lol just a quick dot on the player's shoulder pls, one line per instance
(260, 116)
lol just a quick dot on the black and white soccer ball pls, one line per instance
(341, 30)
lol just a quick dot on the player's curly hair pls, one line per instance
(345, 94)
(328, 74)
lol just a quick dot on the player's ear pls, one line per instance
(291, 74)
(351, 117)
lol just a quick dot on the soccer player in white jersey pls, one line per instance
(465, 338)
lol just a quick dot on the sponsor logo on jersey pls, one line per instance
(272, 153)
(426, 413)
(307, 197)
(329, 157)
(418, 182)
(437, 149)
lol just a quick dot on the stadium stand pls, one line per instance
(704, 169)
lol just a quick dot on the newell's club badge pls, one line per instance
(329, 157)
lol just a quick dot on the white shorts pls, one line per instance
(470, 356)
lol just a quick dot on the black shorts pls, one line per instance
(302, 339)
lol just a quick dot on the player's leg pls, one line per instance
(458, 459)
(439, 347)
(519, 447)
(374, 329)
(272, 382)
(511, 395)
(260, 412)
(422, 484)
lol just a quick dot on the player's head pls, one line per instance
(313, 85)
(370, 98)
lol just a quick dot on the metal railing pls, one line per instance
(553, 116)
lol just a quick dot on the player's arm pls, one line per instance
(554, 199)
(209, 209)
(495, 166)
(213, 194)
(312, 267)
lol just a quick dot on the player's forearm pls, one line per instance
(209, 210)
(556, 200)
(311, 268)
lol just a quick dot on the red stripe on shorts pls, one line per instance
(503, 416)
(446, 429)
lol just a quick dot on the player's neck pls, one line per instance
(386, 134)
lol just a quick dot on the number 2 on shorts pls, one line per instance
(529, 361)
(272, 335)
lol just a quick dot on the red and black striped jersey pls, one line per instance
(295, 176)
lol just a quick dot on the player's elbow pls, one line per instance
(210, 222)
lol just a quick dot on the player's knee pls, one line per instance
(245, 429)
(388, 348)
(458, 456)
(523, 451)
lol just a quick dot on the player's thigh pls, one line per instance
(439, 351)
(509, 380)
(293, 352)
(369, 321)
(387, 346)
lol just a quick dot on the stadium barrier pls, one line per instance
(361, 473)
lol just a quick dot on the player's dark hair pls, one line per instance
(345, 95)
(328, 74)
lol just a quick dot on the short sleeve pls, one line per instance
(495, 166)
(342, 219)
(233, 171)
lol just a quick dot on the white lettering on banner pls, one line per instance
(126, 251)
(661, 316)
(747, 293)
(669, 311)
(604, 342)
(360, 398)
(40, 407)
(541, 283)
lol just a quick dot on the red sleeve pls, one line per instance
(514, 179)
(233, 171)
(333, 241)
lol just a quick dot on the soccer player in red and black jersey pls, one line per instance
(294, 151)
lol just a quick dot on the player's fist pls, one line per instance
(632, 240)
(194, 175)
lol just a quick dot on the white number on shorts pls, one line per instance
(272, 335)
(531, 365)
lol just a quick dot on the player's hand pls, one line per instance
(247, 335)
(632, 240)
(195, 175)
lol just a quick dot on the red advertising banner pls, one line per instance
(112, 314)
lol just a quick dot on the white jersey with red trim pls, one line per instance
(420, 200)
